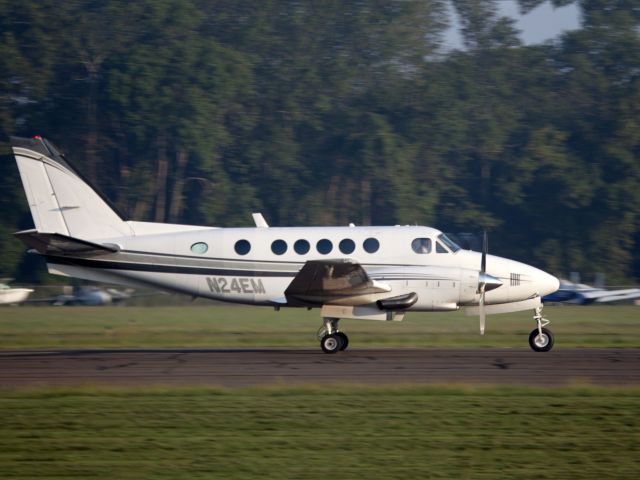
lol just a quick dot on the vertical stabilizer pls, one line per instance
(61, 201)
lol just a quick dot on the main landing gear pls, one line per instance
(540, 338)
(332, 340)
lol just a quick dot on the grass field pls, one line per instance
(236, 326)
(404, 433)
(339, 432)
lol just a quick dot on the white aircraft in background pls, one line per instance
(574, 292)
(368, 273)
(12, 296)
(90, 296)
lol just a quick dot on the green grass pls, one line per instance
(235, 326)
(307, 433)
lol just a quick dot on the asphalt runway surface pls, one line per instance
(252, 367)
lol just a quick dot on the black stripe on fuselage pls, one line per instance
(147, 267)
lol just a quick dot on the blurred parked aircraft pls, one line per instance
(12, 296)
(572, 291)
(92, 296)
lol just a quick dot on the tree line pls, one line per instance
(315, 113)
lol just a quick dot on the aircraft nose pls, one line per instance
(547, 284)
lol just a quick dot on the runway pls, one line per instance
(253, 367)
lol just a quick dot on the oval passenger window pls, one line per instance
(279, 247)
(242, 247)
(371, 245)
(347, 246)
(301, 247)
(199, 248)
(324, 246)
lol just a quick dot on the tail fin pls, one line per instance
(61, 201)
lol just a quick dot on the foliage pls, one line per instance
(202, 111)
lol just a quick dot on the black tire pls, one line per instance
(542, 343)
(344, 339)
(331, 343)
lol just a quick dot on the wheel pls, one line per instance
(331, 343)
(541, 343)
(344, 339)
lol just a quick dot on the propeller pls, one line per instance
(482, 284)
(486, 282)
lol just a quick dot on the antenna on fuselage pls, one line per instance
(259, 220)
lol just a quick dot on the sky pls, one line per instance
(539, 25)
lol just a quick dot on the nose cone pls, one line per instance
(546, 284)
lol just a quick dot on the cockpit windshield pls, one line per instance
(453, 246)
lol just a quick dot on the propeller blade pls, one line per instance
(485, 249)
(483, 279)
(482, 313)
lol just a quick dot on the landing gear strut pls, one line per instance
(540, 338)
(331, 339)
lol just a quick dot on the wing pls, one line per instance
(619, 295)
(339, 282)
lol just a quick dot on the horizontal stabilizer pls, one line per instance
(58, 244)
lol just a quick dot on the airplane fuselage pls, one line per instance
(255, 265)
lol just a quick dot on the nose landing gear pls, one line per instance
(540, 338)
(331, 339)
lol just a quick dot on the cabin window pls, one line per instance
(347, 246)
(200, 248)
(301, 247)
(279, 247)
(421, 245)
(242, 247)
(324, 246)
(371, 245)
(440, 248)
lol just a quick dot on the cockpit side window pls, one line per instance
(421, 245)
(440, 248)
(451, 245)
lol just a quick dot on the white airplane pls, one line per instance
(90, 296)
(583, 294)
(368, 273)
(12, 296)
